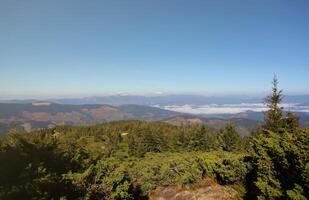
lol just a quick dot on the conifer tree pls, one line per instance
(230, 138)
(274, 116)
(198, 139)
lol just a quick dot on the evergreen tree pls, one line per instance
(230, 138)
(182, 141)
(274, 116)
(198, 138)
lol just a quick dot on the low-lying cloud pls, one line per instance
(230, 108)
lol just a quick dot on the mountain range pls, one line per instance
(37, 115)
(214, 111)
(164, 99)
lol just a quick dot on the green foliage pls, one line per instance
(296, 194)
(128, 159)
(231, 141)
(291, 122)
(163, 169)
(274, 116)
(143, 141)
(34, 170)
(160, 137)
(280, 163)
(231, 171)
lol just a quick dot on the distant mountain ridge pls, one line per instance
(31, 116)
(165, 100)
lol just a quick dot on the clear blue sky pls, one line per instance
(81, 48)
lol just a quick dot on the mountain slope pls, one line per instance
(44, 114)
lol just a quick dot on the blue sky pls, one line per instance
(84, 48)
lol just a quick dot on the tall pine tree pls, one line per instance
(274, 116)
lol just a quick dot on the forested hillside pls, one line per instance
(155, 160)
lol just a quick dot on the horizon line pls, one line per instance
(55, 97)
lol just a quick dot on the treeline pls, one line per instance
(128, 159)
(141, 137)
(117, 160)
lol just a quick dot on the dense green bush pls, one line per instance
(280, 165)
(124, 178)
(31, 170)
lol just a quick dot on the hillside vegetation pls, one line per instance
(141, 160)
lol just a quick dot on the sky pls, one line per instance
(78, 48)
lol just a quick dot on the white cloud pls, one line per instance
(230, 108)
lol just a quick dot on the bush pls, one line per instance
(280, 164)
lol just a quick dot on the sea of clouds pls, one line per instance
(230, 108)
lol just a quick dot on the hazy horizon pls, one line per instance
(48, 97)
